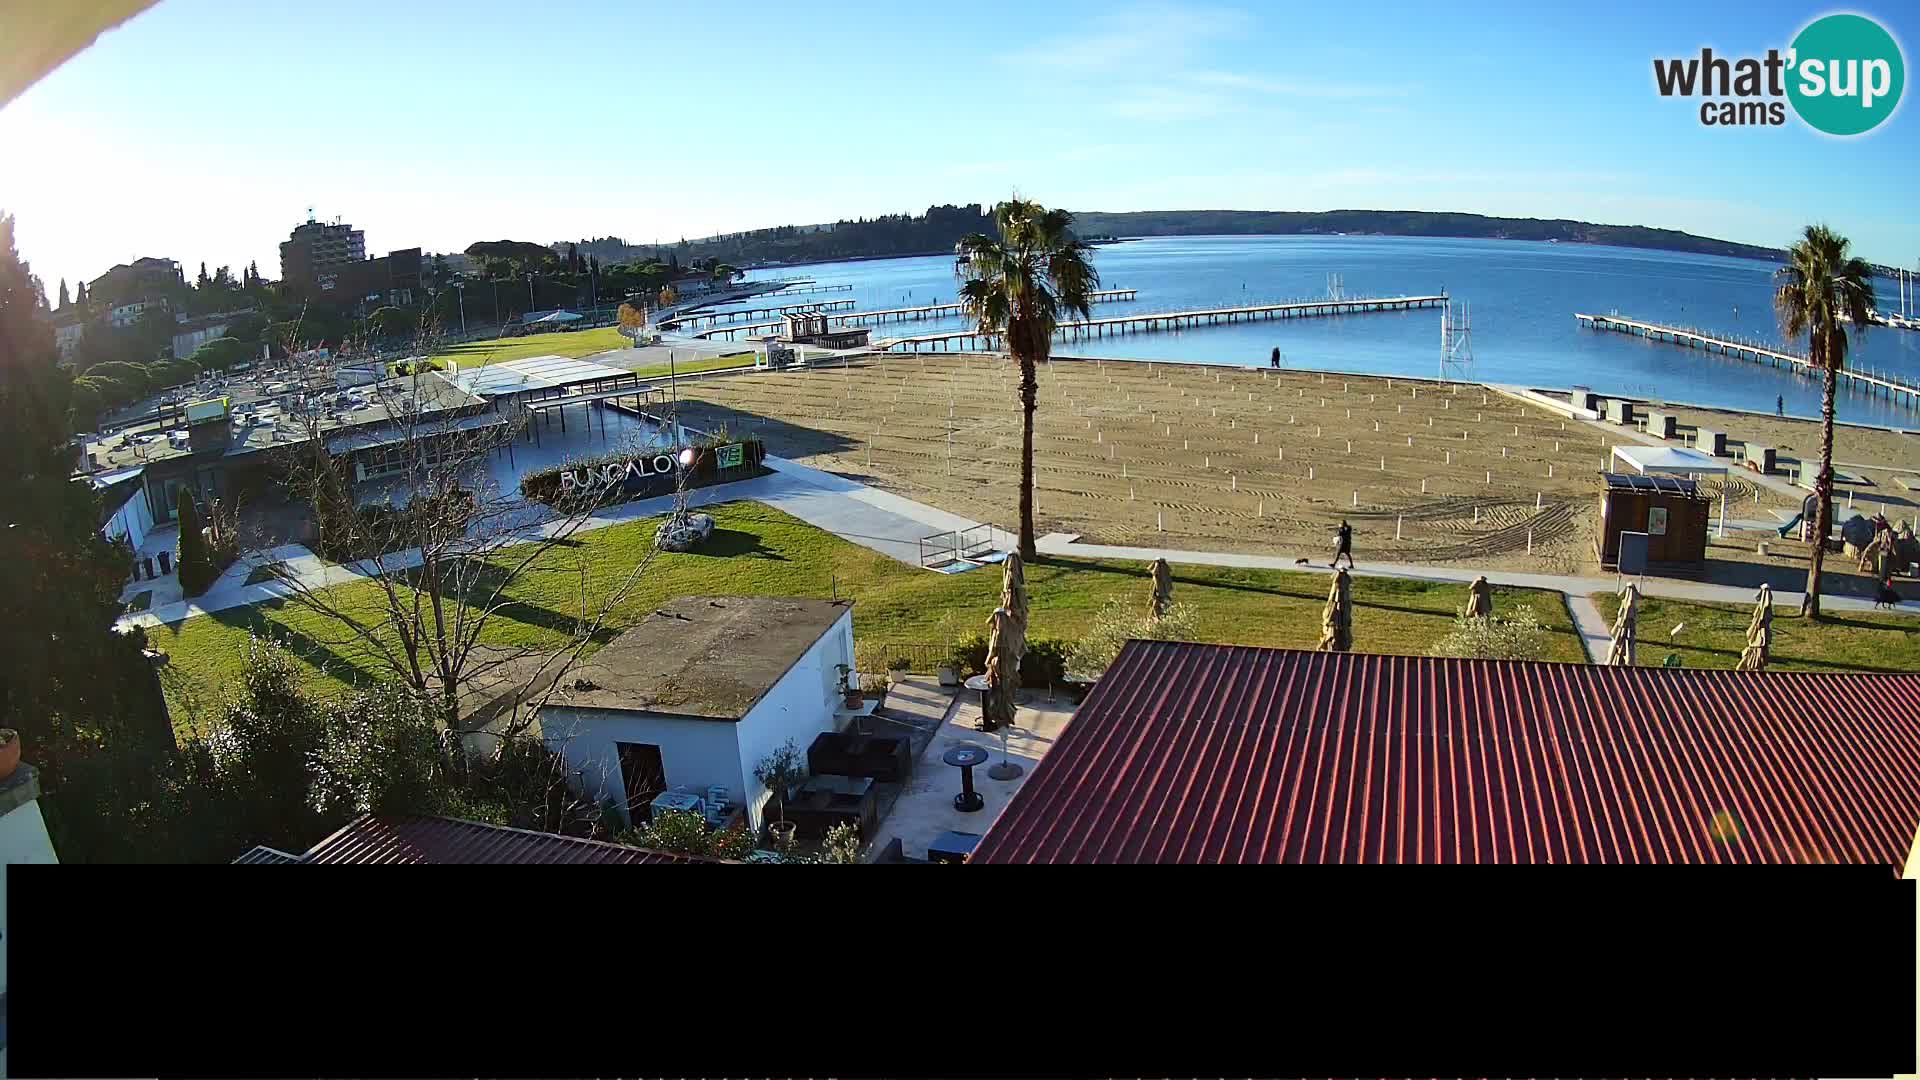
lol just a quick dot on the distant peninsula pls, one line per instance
(1405, 223)
(936, 231)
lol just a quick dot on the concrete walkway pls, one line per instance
(874, 519)
(1069, 545)
(894, 526)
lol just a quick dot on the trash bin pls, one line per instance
(147, 562)
(166, 562)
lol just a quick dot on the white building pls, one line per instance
(67, 335)
(699, 693)
(126, 315)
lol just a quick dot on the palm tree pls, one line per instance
(1018, 285)
(1819, 292)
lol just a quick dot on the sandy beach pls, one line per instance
(1202, 456)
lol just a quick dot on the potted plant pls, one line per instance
(949, 669)
(780, 772)
(849, 687)
(9, 752)
(897, 669)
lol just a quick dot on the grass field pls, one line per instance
(1716, 633)
(558, 343)
(577, 343)
(760, 551)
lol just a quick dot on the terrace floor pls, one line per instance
(924, 808)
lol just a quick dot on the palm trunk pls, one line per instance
(1823, 500)
(1029, 400)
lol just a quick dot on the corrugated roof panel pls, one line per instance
(419, 840)
(1214, 753)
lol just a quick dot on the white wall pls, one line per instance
(132, 520)
(23, 839)
(697, 754)
(800, 706)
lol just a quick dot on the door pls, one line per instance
(644, 775)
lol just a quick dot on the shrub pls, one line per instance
(1117, 623)
(970, 654)
(1045, 662)
(379, 753)
(684, 832)
(900, 662)
(842, 844)
(1517, 637)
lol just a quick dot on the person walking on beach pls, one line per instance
(1780, 405)
(1343, 544)
(1275, 361)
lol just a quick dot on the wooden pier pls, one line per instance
(870, 318)
(1891, 387)
(714, 317)
(815, 289)
(1149, 322)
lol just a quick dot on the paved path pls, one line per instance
(1070, 545)
(867, 516)
(894, 525)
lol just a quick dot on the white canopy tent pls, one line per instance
(1674, 461)
(560, 316)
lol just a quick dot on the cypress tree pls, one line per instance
(196, 568)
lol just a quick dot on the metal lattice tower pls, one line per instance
(1456, 344)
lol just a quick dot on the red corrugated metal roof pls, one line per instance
(1224, 753)
(424, 840)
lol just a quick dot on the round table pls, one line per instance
(979, 682)
(964, 757)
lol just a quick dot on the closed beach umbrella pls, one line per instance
(1759, 633)
(1620, 652)
(1013, 591)
(1336, 622)
(1480, 599)
(1162, 598)
(1006, 641)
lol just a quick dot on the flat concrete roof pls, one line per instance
(711, 657)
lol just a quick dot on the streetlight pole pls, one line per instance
(529, 290)
(460, 289)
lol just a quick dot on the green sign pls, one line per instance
(733, 455)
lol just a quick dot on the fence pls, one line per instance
(924, 657)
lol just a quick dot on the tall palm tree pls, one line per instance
(1018, 285)
(1820, 292)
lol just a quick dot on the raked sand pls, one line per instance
(1186, 455)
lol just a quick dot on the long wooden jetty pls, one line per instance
(1892, 387)
(713, 317)
(815, 289)
(1148, 322)
(906, 314)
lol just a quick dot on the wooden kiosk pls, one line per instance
(1660, 497)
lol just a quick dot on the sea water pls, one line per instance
(1522, 297)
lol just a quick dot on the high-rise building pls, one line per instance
(316, 246)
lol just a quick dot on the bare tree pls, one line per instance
(402, 482)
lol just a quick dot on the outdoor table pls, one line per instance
(952, 847)
(964, 758)
(979, 682)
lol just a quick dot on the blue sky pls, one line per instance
(204, 129)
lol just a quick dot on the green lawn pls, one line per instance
(555, 343)
(577, 343)
(1716, 633)
(761, 551)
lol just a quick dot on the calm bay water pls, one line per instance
(1522, 298)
